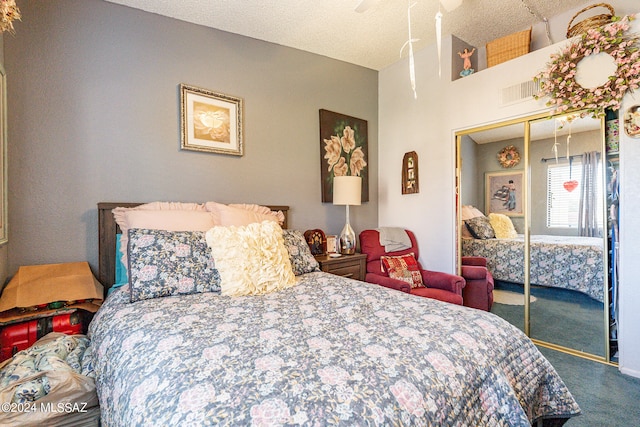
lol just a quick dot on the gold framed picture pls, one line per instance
(210, 121)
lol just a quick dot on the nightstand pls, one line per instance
(352, 266)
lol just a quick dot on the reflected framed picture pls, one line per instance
(210, 121)
(503, 193)
(4, 237)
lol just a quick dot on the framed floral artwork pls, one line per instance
(210, 121)
(503, 193)
(343, 151)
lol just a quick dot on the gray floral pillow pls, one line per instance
(480, 227)
(164, 263)
(301, 259)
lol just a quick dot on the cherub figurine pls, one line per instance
(466, 56)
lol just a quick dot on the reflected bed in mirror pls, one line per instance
(558, 251)
(567, 262)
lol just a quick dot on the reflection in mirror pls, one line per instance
(567, 268)
(489, 188)
(546, 210)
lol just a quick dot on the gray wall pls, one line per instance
(469, 175)
(478, 159)
(94, 116)
(542, 149)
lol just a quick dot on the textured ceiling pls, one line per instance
(372, 38)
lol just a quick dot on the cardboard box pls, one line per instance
(43, 284)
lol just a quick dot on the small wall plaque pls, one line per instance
(410, 182)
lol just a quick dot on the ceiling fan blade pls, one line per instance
(449, 5)
(364, 5)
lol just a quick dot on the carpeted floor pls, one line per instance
(567, 318)
(510, 298)
(606, 397)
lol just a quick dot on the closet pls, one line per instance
(553, 179)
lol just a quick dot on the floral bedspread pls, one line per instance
(328, 351)
(567, 262)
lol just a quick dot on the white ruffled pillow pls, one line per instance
(251, 259)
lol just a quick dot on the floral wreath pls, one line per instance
(559, 83)
(9, 12)
(509, 156)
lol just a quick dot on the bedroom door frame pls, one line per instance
(525, 123)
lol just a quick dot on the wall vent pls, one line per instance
(520, 92)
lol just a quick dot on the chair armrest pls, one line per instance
(445, 281)
(474, 260)
(474, 272)
(388, 282)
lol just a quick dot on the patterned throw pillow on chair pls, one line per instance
(403, 268)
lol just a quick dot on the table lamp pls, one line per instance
(347, 191)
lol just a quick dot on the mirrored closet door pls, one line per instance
(567, 230)
(481, 194)
(541, 183)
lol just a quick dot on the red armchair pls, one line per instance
(478, 293)
(441, 286)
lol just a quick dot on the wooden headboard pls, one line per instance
(108, 229)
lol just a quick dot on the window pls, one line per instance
(563, 205)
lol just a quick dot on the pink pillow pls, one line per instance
(468, 212)
(170, 216)
(242, 214)
(170, 220)
(119, 214)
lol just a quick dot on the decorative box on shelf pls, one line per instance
(508, 47)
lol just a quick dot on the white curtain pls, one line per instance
(587, 214)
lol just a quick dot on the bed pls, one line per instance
(328, 351)
(568, 262)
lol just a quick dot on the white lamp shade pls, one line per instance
(347, 190)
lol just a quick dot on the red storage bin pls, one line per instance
(21, 336)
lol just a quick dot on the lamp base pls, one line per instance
(347, 240)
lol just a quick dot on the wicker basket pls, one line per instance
(509, 47)
(591, 22)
